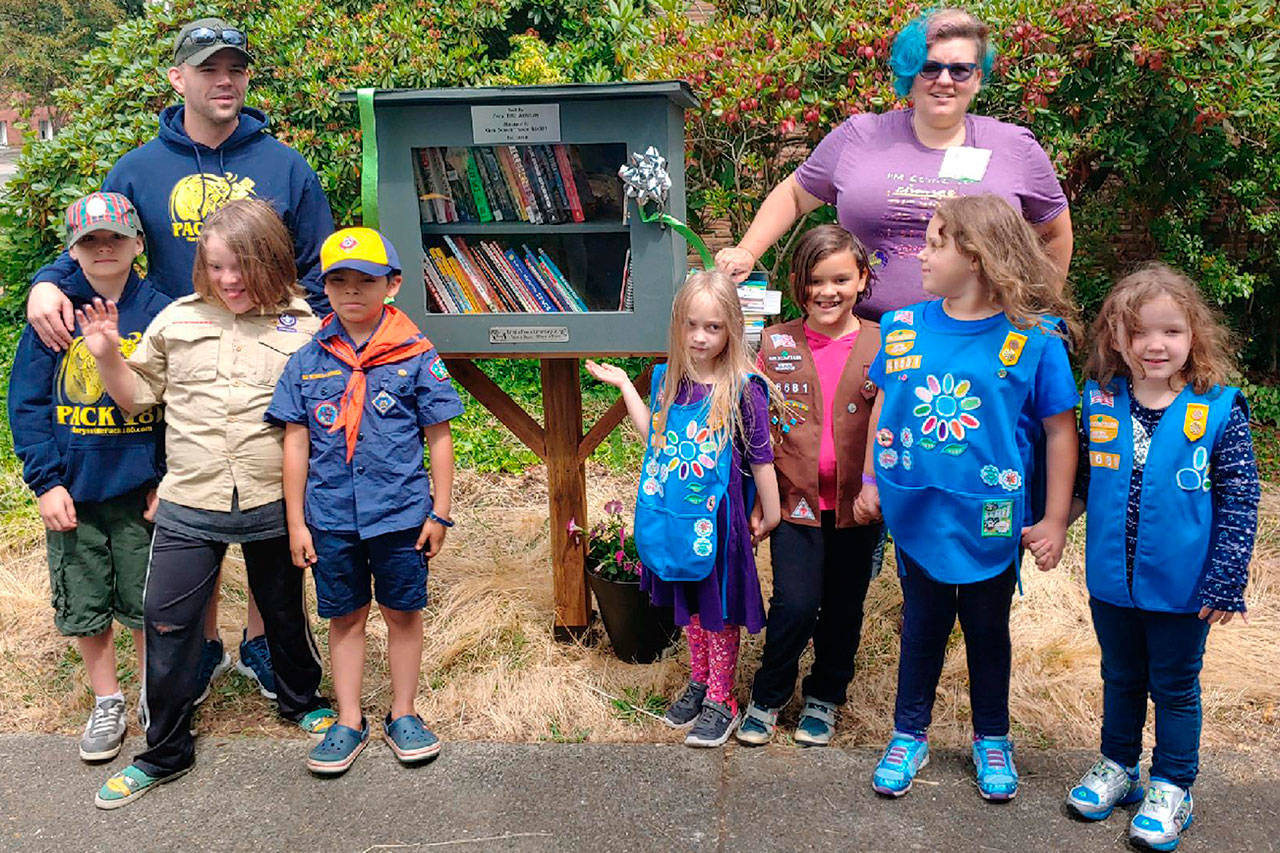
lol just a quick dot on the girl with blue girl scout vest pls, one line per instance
(965, 381)
(1171, 490)
(821, 556)
(708, 493)
(213, 359)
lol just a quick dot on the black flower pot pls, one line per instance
(638, 631)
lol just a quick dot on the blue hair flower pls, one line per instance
(911, 48)
(907, 55)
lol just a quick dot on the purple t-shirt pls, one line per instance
(884, 185)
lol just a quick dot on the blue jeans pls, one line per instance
(929, 611)
(1144, 652)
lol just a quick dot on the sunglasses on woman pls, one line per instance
(205, 36)
(959, 71)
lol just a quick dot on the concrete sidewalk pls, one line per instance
(255, 795)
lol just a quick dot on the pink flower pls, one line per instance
(613, 507)
(620, 557)
(575, 531)
(622, 536)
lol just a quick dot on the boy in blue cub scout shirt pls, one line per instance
(357, 403)
(93, 468)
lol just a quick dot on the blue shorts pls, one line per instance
(345, 565)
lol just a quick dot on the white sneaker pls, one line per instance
(1165, 812)
(1105, 786)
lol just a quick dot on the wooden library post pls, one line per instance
(561, 444)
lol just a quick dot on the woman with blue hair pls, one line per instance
(885, 172)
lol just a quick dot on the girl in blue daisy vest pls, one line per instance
(967, 383)
(1170, 485)
(707, 494)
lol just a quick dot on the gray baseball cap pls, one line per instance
(199, 40)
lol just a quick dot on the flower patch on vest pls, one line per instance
(702, 546)
(691, 454)
(946, 408)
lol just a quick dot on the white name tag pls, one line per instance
(963, 163)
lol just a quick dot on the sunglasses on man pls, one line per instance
(959, 71)
(205, 36)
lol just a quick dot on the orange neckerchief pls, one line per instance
(395, 339)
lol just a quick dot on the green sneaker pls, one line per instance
(130, 784)
(758, 725)
(316, 723)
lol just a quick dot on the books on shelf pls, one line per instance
(483, 276)
(540, 184)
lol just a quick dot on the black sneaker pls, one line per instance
(685, 710)
(714, 724)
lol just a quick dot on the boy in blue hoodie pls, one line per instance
(210, 149)
(93, 469)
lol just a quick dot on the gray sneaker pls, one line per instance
(714, 725)
(685, 710)
(1164, 813)
(104, 732)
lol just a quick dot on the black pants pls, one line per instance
(820, 578)
(180, 582)
(929, 611)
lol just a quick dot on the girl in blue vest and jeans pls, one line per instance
(967, 382)
(1171, 489)
(697, 518)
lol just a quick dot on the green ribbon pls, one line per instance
(369, 159)
(708, 262)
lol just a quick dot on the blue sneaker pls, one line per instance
(758, 725)
(1165, 812)
(338, 751)
(255, 663)
(904, 757)
(1105, 786)
(817, 723)
(997, 774)
(409, 738)
(213, 662)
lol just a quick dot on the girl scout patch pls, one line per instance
(1197, 418)
(1103, 428)
(899, 341)
(1011, 349)
(997, 518)
(383, 402)
(326, 413)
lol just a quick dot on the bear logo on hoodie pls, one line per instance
(196, 196)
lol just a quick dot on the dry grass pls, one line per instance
(492, 671)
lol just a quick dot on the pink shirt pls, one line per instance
(829, 357)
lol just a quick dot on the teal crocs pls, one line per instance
(129, 784)
(410, 739)
(337, 752)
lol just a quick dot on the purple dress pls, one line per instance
(742, 602)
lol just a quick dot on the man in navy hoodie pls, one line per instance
(210, 149)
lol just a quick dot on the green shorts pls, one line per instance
(98, 569)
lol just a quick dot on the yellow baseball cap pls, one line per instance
(361, 249)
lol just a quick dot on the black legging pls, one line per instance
(182, 576)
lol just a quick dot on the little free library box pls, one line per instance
(518, 241)
(507, 211)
